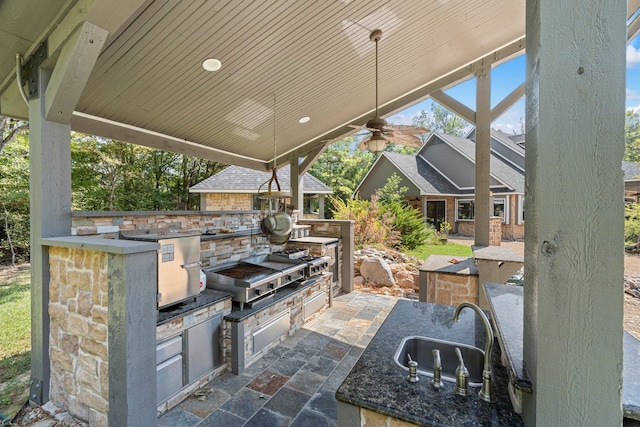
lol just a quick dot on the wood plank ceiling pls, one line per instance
(314, 57)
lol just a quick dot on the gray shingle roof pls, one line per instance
(503, 171)
(631, 171)
(236, 179)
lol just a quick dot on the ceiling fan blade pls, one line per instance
(363, 144)
(359, 127)
(407, 129)
(403, 139)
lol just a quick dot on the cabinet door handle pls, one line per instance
(191, 264)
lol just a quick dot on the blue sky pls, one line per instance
(507, 77)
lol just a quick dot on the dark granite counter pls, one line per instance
(507, 304)
(238, 315)
(378, 384)
(206, 297)
(237, 233)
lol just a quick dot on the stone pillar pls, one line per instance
(573, 289)
(495, 231)
(103, 329)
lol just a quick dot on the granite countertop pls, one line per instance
(496, 253)
(507, 304)
(238, 315)
(314, 239)
(378, 384)
(237, 233)
(206, 297)
(443, 264)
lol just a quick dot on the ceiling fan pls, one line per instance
(381, 132)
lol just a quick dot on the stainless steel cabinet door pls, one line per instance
(204, 351)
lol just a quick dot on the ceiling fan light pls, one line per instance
(376, 144)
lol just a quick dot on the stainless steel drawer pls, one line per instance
(169, 377)
(169, 348)
(313, 303)
(267, 334)
(203, 348)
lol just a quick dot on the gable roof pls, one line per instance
(433, 181)
(631, 171)
(510, 176)
(237, 179)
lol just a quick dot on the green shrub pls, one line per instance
(408, 222)
(632, 224)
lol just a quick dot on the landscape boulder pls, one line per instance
(377, 270)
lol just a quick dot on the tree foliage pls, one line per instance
(632, 136)
(14, 202)
(342, 167)
(387, 219)
(632, 224)
(106, 175)
(440, 120)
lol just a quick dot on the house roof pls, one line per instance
(236, 179)
(432, 181)
(631, 171)
(511, 177)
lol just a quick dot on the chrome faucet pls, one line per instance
(486, 392)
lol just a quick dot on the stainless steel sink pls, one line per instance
(420, 349)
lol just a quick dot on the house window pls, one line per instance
(465, 209)
(521, 211)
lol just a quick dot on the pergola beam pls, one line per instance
(420, 94)
(455, 106)
(72, 71)
(508, 102)
(114, 130)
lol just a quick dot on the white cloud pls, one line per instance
(635, 109)
(509, 128)
(632, 95)
(633, 56)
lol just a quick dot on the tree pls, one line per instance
(439, 120)
(632, 136)
(14, 206)
(342, 167)
(10, 129)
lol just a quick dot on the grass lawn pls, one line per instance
(453, 249)
(15, 339)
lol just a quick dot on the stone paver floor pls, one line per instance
(295, 383)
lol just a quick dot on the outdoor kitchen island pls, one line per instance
(377, 390)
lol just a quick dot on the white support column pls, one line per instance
(50, 210)
(321, 206)
(482, 209)
(297, 187)
(574, 219)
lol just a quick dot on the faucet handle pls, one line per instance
(436, 382)
(462, 376)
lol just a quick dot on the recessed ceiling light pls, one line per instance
(211, 64)
(304, 120)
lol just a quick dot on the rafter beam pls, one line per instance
(312, 157)
(454, 106)
(420, 94)
(507, 102)
(72, 71)
(109, 129)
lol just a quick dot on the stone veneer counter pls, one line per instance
(377, 384)
(507, 305)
